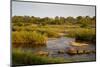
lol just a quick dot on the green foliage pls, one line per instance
(54, 21)
(71, 20)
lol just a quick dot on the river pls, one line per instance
(55, 44)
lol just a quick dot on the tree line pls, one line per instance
(84, 20)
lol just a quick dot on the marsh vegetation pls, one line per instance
(29, 32)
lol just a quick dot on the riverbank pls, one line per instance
(28, 57)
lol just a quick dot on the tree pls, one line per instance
(62, 20)
(79, 19)
(70, 19)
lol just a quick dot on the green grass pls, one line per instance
(83, 34)
(51, 31)
(26, 58)
(22, 38)
(20, 57)
(37, 35)
(48, 31)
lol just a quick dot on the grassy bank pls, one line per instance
(20, 57)
(23, 38)
(83, 34)
(26, 58)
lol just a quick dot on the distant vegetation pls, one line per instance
(85, 21)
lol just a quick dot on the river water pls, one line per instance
(54, 45)
(62, 43)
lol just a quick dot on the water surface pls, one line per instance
(53, 45)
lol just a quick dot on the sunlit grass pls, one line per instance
(23, 38)
(21, 57)
(83, 34)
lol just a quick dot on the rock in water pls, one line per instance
(78, 44)
(43, 53)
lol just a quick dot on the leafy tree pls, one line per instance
(70, 19)
(83, 21)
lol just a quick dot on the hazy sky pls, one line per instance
(50, 10)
